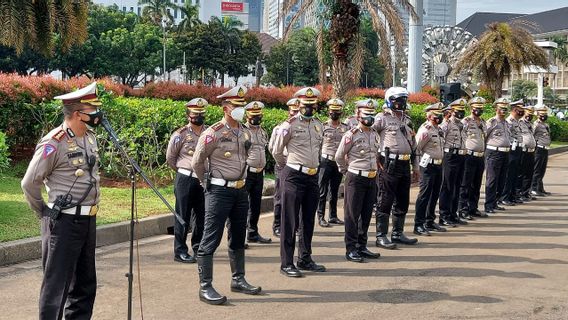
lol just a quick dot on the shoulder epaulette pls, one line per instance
(291, 119)
(354, 130)
(59, 135)
(182, 129)
(217, 126)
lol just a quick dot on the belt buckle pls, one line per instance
(372, 174)
(239, 184)
(94, 209)
(405, 157)
(312, 171)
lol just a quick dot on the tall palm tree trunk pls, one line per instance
(340, 77)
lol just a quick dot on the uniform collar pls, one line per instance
(68, 130)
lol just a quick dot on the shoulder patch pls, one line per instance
(209, 138)
(59, 135)
(48, 150)
(217, 126)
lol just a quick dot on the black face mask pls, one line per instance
(308, 111)
(197, 120)
(399, 103)
(529, 117)
(520, 113)
(477, 112)
(543, 117)
(95, 118)
(255, 120)
(439, 119)
(459, 114)
(367, 121)
(334, 115)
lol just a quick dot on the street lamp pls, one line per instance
(548, 47)
(164, 21)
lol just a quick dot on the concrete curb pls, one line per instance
(557, 150)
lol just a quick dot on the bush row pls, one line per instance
(4, 154)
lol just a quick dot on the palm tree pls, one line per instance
(32, 23)
(156, 10)
(231, 34)
(191, 17)
(561, 52)
(347, 44)
(502, 48)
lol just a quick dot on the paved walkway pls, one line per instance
(513, 265)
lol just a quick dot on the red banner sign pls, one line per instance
(232, 6)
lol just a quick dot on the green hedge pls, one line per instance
(4, 154)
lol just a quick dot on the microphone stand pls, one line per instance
(133, 171)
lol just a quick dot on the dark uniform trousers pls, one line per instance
(222, 203)
(430, 183)
(70, 280)
(512, 173)
(471, 184)
(360, 196)
(329, 181)
(254, 185)
(190, 205)
(452, 174)
(299, 191)
(393, 189)
(497, 162)
(540, 164)
(277, 199)
(526, 173)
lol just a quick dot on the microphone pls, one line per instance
(106, 124)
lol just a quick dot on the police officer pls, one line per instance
(509, 195)
(351, 121)
(454, 156)
(255, 166)
(302, 137)
(497, 157)
(66, 161)
(430, 148)
(475, 132)
(356, 156)
(293, 109)
(397, 150)
(224, 146)
(542, 136)
(329, 175)
(527, 160)
(190, 201)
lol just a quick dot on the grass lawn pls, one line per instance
(556, 144)
(17, 220)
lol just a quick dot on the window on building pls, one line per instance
(123, 9)
(182, 15)
(131, 9)
(175, 13)
(139, 11)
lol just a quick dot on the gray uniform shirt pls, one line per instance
(429, 141)
(351, 122)
(498, 133)
(515, 133)
(181, 147)
(60, 162)
(541, 133)
(225, 148)
(357, 150)
(474, 134)
(257, 154)
(302, 138)
(332, 136)
(453, 133)
(527, 134)
(394, 133)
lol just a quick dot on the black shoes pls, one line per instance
(259, 239)
(460, 221)
(401, 238)
(508, 203)
(207, 293)
(538, 193)
(433, 226)
(488, 211)
(384, 242)
(421, 231)
(184, 258)
(448, 223)
(353, 256)
(310, 266)
(466, 216)
(366, 253)
(499, 208)
(291, 271)
(480, 214)
(335, 221)
(276, 232)
(322, 223)
(240, 284)
(238, 281)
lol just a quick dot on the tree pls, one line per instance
(561, 52)
(501, 49)
(246, 54)
(32, 23)
(191, 17)
(347, 44)
(524, 89)
(229, 29)
(156, 10)
(279, 66)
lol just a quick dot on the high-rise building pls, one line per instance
(255, 15)
(274, 26)
(436, 13)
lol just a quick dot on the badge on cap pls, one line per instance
(309, 93)
(241, 92)
(48, 150)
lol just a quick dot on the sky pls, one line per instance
(465, 8)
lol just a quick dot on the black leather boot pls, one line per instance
(382, 222)
(238, 282)
(207, 293)
(397, 231)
